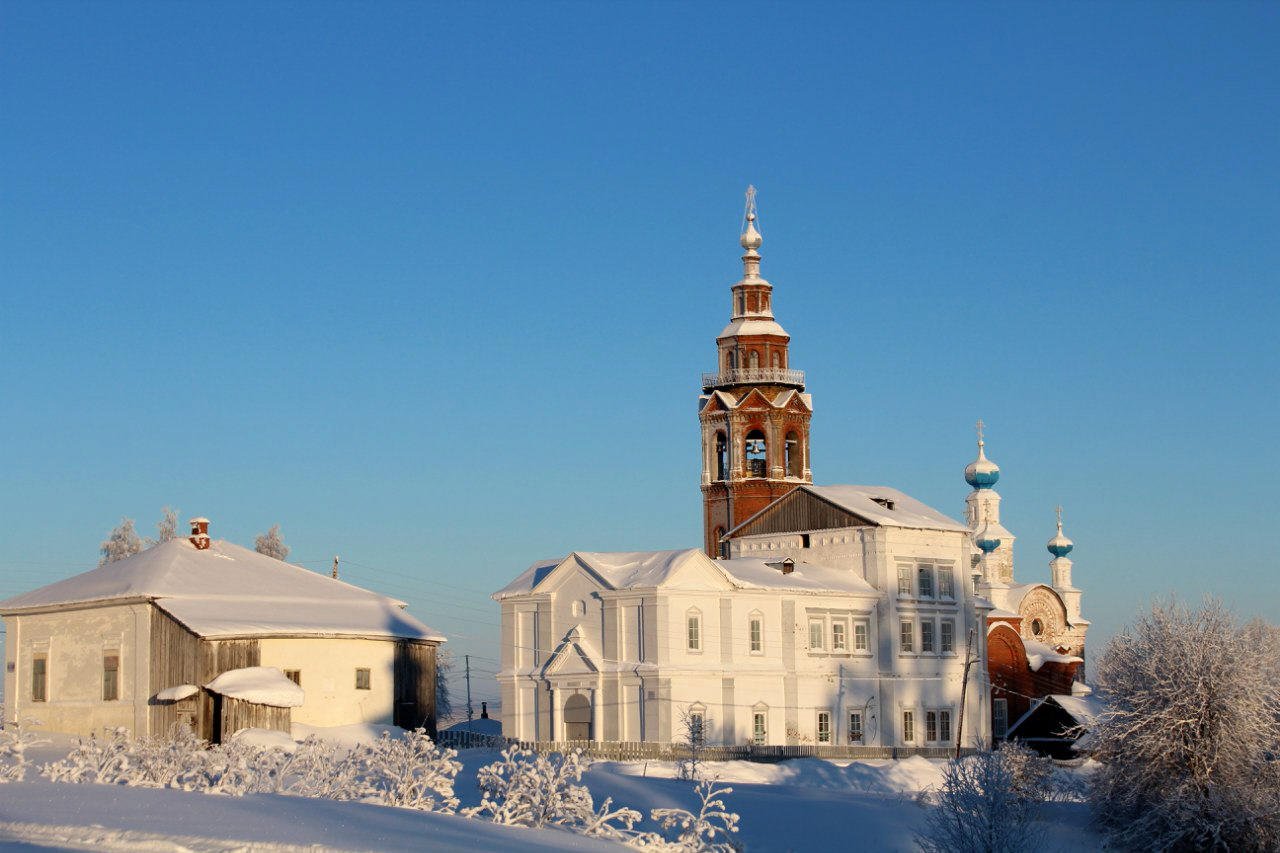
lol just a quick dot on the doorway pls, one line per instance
(577, 717)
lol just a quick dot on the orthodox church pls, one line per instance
(840, 615)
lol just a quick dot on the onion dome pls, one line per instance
(986, 539)
(982, 473)
(1059, 545)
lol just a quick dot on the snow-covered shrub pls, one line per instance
(524, 788)
(981, 808)
(1032, 772)
(14, 743)
(167, 762)
(109, 761)
(692, 745)
(1189, 739)
(710, 830)
(409, 771)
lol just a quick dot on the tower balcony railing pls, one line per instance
(753, 376)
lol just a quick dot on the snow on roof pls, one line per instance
(261, 685)
(1085, 710)
(753, 327)
(764, 573)
(636, 569)
(231, 590)
(174, 694)
(1038, 654)
(869, 502)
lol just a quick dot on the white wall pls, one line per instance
(328, 668)
(75, 641)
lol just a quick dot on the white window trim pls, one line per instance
(693, 615)
(753, 617)
(865, 625)
(911, 630)
(915, 724)
(909, 569)
(862, 726)
(843, 623)
(821, 634)
(945, 571)
(952, 650)
(933, 635)
(926, 570)
(817, 728)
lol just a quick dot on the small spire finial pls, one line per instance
(751, 238)
(980, 425)
(1058, 509)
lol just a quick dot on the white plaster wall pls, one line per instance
(328, 669)
(75, 641)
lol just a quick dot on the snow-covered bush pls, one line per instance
(981, 807)
(109, 761)
(14, 743)
(525, 788)
(710, 830)
(271, 544)
(1189, 739)
(1032, 772)
(410, 772)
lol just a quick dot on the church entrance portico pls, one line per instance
(577, 717)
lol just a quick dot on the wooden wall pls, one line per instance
(415, 688)
(238, 714)
(800, 511)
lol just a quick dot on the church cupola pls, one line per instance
(1060, 545)
(754, 410)
(982, 473)
(982, 509)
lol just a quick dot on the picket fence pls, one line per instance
(648, 751)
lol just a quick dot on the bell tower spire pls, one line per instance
(754, 410)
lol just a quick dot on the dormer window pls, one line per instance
(887, 503)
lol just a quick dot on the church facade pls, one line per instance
(837, 615)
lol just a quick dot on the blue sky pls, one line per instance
(431, 287)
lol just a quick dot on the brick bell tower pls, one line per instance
(753, 409)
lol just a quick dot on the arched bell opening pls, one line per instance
(795, 455)
(756, 451)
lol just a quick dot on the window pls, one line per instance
(948, 636)
(757, 635)
(722, 456)
(694, 631)
(999, 717)
(824, 727)
(757, 455)
(839, 637)
(753, 359)
(110, 676)
(908, 725)
(362, 679)
(1037, 627)
(930, 725)
(944, 726)
(907, 632)
(578, 608)
(946, 582)
(925, 574)
(758, 733)
(39, 678)
(859, 636)
(294, 675)
(904, 580)
(855, 727)
(795, 462)
(926, 636)
(815, 634)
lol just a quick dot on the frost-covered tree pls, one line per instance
(709, 831)
(167, 526)
(271, 544)
(693, 744)
(1189, 739)
(14, 743)
(981, 807)
(121, 542)
(444, 698)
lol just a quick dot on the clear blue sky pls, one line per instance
(431, 286)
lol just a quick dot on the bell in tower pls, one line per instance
(753, 409)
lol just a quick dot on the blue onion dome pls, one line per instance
(986, 539)
(982, 473)
(1059, 545)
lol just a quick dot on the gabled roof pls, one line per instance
(854, 506)
(228, 590)
(644, 569)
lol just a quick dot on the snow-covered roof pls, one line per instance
(1085, 710)
(229, 590)
(871, 503)
(261, 685)
(753, 327)
(176, 694)
(1038, 654)
(642, 569)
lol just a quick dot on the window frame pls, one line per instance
(907, 636)
(693, 631)
(818, 631)
(924, 580)
(759, 726)
(928, 637)
(944, 725)
(755, 633)
(946, 577)
(1003, 704)
(862, 627)
(851, 729)
(824, 719)
(906, 584)
(947, 638)
(839, 636)
(930, 726)
(294, 675)
(111, 687)
(908, 725)
(42, 670)
(367, 672)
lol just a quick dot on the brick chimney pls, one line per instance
(199, 533)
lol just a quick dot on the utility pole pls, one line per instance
(470, 713)
(964, 688)
(335, 566)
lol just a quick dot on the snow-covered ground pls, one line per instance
(793, 805)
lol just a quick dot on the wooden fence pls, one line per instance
(638, 751)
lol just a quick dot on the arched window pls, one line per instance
(757, 456)
(577, 717)
(733, 359)
(795, 455)
(753, 359)
(722, 456)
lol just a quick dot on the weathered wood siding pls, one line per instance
(415, 688)
(217, 657)
(175, 653)
(800, 511)
(238, 714)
